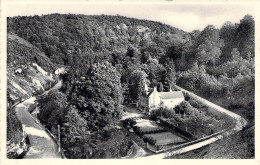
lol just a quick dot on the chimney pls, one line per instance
(170, 89)
(155, 88)
(146, 89)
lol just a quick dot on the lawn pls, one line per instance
(165, 138)
(130, 112)
(147, 126)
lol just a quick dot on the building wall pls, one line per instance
(171, 103)
(154, 99)
(147, 104)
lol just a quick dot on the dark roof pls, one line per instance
(172, 95)
(149, 93)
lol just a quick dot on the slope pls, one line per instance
(25, 78)
(64, 36)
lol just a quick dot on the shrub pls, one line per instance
(154, 130)
(149, 139)
(195, 103)
(184, 108)
(186, 96)
(145, 139)
(138, 131)
(128, 123)
(165, 112)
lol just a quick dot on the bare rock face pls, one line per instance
(24, 85)
(16, 151)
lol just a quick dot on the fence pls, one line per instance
(61, 151)
(159, 149)
(184, 130)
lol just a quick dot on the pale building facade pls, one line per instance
(154, 99)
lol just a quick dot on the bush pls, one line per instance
(128, 123)
(195, 103)
(184, 108)
(165, 112)
(186, 96)
(156, 130)
(149, 139)
(138, 131)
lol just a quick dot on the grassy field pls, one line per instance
(147, 125)
(131, 112)
(165, 138)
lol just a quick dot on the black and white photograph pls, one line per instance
(129, 80)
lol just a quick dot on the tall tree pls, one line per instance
(53, 108)
(138, 78)
(246, 36)
(169, 74)
(208, 45)
(98, 95)
(160, 87)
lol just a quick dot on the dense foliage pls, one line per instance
(193, 117)
(98, 95)
(213, 62)
(92, 107)
(110, 58)
(21, 52)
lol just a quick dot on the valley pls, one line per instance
(129, 88)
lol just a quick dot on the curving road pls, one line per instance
(41, 144)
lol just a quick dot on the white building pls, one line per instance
(154, 99)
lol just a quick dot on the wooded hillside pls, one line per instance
(217, 64)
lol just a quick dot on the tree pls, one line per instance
(161, 108)
(132, 51)
(186, 107)
(160, 87)
(98, 95)
(74, 133)
(235, 54)
(174, 52)
(169, 74)
(208, 45)
(228, 33)
(145, 56)
(138, 78)
(245, 34)
(53, 108)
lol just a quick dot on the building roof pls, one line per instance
(171, 95)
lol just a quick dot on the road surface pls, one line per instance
(41, 144)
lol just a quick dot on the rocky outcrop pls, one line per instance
(18, 150)
(31, 81)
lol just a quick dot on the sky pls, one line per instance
(187, 17)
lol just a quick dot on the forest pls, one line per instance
(111, 57)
